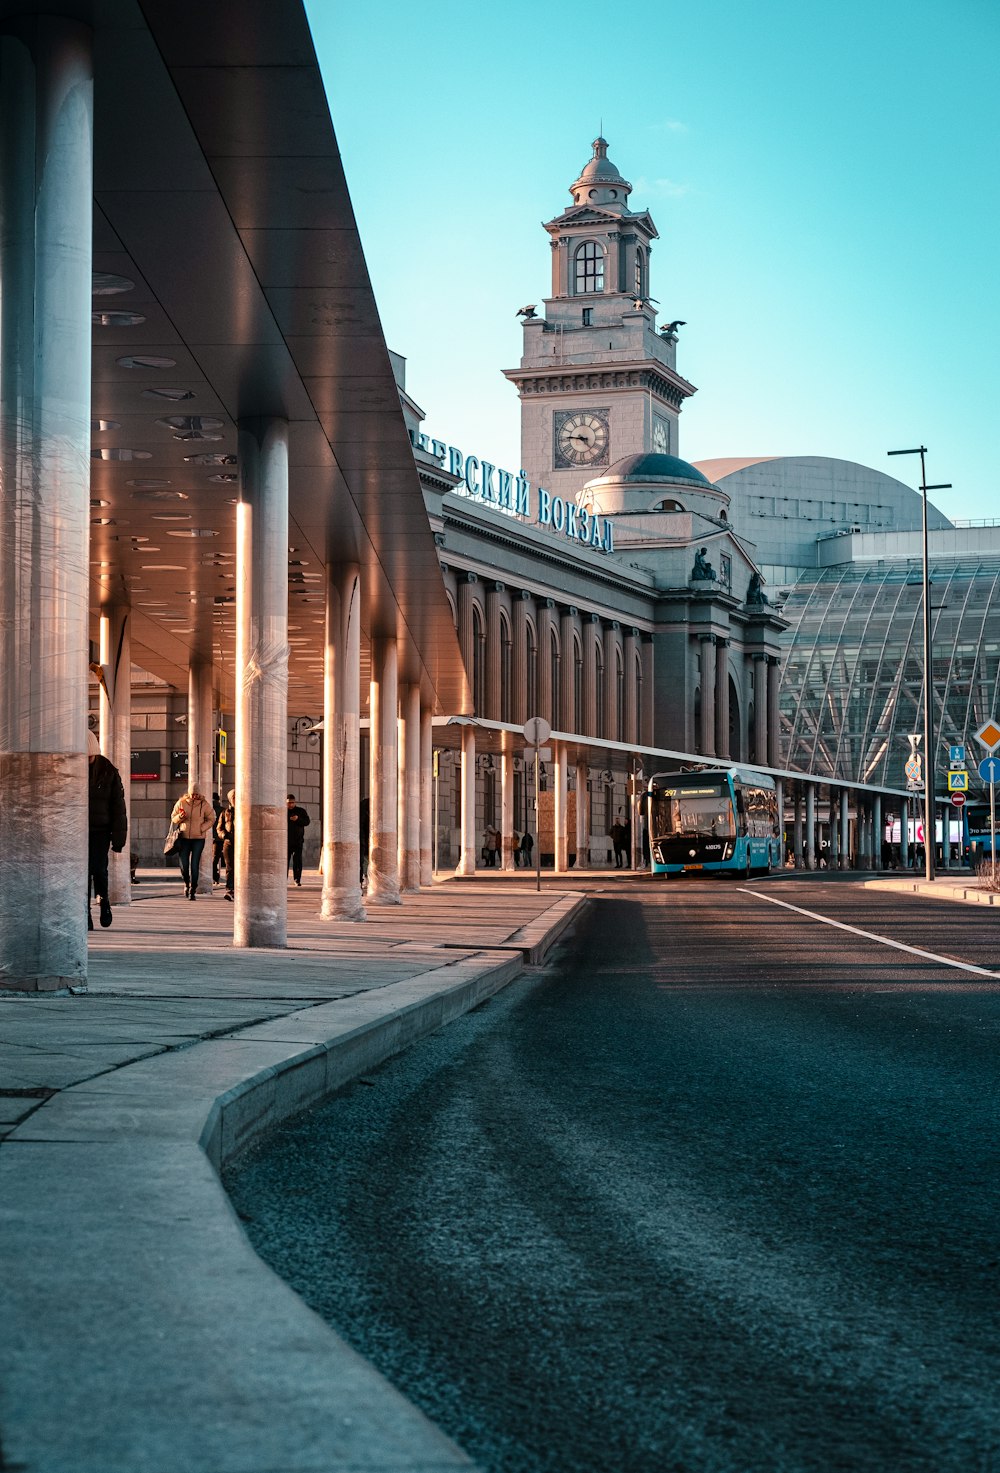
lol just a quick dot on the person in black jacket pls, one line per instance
(298, 822)
(108, 825)
(225, 830)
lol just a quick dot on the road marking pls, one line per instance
(932, 956)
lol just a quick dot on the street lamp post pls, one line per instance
(929, 826)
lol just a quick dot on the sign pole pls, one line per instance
(538, 836)
(993, 831)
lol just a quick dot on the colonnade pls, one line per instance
(852, 842)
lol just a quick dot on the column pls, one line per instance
(46, 201)
(201, 750)
(426, 796)
(779, 794)
(521, 605)
(864, 852)
(341, 898)
(582, 815)
(546, 695)
(261, 899)
(408, 788)
(493, 592)
(833, 859)
(845, 831)
(559, 805)
(567, 670)
(877, 831)
(467, 860)
(706, 730)
(904, 834)
(631, 732)
(797, 828)
(810, 824)
(466, 632)
(722, 698)
(760, 708)
(773, 712)
(591, 635)
(612, 635)
(383, 853)
(646, 714)
(116, 732)
(507, 801)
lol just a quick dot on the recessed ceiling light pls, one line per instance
(106, 284)
(148, 485)
(167, 392)
(194, 532)
(96, 501)
(141, 361)
(159, 496)
(195, 435)
(190, 422)
(117, 319)
(99, 426)
(210, 458)
(171, 516)
(103, 522)
(115, 453)
(162, 568)
(225, 478)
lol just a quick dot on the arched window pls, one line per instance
(577, 685)
(640, 272)
(599, 689)
(505, 668)
(554, 668)
(531, 695)
(668, 505)
(589, 267)
(618, 735)
(478, 660)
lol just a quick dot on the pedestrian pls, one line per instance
(364, 829)
(226, 830)
(195, 817)
(298, 822)
(515, 848)
(108, 825)
(619, 839)
(527, 844)
(216, 841)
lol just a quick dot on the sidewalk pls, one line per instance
(141, 1334)
(953, 885)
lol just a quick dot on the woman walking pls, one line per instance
(195, 817)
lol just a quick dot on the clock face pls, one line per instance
(660, 437)
(582, 437)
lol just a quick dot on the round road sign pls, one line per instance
(537, 731)
(958, 799)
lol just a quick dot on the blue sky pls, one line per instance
(824, 179)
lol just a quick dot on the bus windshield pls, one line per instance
(697, 812)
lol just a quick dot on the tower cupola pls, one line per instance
(600, 182)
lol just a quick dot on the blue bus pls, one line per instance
(713, 820)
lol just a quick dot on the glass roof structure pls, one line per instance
(852, 679)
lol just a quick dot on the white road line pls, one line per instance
(932, 956)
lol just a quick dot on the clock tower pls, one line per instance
(597, 381)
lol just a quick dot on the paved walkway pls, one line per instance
(141, 1334)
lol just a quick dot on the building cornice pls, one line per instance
(656, 378)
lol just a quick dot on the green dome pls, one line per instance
(652, 467)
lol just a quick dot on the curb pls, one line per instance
(967, 895)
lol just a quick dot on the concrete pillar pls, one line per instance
(722, 698)
(493, 651)
(810, 824)
(864, 850)
(341, 899)
(773, 712)
(760, 708)
(779, 793)
(646, 714)
(521, 606)
(631, 732)
(383, 850)
(547, 697)
(507, 801)
(560, 773)
(46, 199)
(467, 859)
(426, 796)
(201, 749)
(582, 815)
(833, 857)
(706, 730)
(845, 831)
(611, 728)
(408, 788)
(591, 637)
(261, 899)
(567, 670)
(797, 828)
(904, 834)
(116, 731)
(877, 831)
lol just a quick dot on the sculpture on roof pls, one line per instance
(756, 597)
(702, 567)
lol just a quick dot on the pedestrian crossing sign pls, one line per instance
(958, 782)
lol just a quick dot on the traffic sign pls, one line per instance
(956, 756)
(958, 799)
(912, 768)
(537, 731)
(989, 769)
(958, 782)
(988, 735)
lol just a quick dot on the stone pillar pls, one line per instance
(519, 712)
(797, 828)
(779, 795)
(408, 788)
(646, 716)
(261, 899)
(877, 831)
(466, 628)
(631, 732)
(722, 699)
(201, 750)
(582, 815)
(706, 732)
(559, 805)
(810, 824)
(845, 831)
(383, 849)
(864, 852)
(507, 801)
(904, 834)
(773, 712)
(467, 860)
(116, 731)
(833, 859)
(493, 653)
(341, 899)
(546, 695)
(760, 708)
(591, 636)
(567, 670)
(612, 635)
(46, 203)
(426, 796)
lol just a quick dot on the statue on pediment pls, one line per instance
(702, 569)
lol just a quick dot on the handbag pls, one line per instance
(172, 842)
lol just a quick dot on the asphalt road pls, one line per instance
(715, 1193)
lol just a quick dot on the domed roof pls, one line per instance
(601, 171)
(651, 467)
